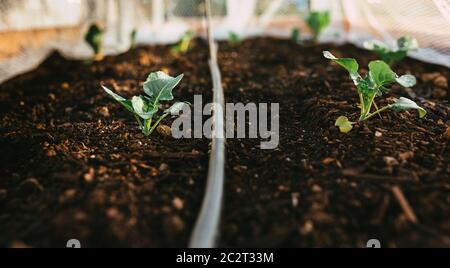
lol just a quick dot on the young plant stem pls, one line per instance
(148, 126)
(139, 121)
(185, 43)
(157, 123)
(377, 109)
(376, 113)
(361, 99)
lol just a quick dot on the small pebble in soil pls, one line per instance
(163, 167)
(316, 189)
(390, 161)
(405, 156)
(67, 196)
(114, 214)
(164, 130)
(307, 228)
(441, 82)
(104, 111)
(50, 153)
(378, 134)
(306, 165)
(283, 188)
(328, 160)
(3, 194)
(295, 199)
(89, 176)
(240, 168)
(52, 96)
(65, 85)
(447, 133)
(40, 126)
(178, 203)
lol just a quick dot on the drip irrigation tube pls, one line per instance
(206, 230)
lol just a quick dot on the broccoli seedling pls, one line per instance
(296, 36)
(234, 39)
(373, 85)
(133, 37)
(94, 38)
(184, 45)
(317, 22)
(404, 46)
(146, 108)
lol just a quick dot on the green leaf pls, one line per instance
(159, 86)
(407, 43)
(351, 65)
(94, 38)
(380, 73)
(345, 126)
(296, 35)
(233, 38)
(318, 21)
(404, 104)
(126, 103)
(407, 80)
(184, 45)
(176, 108)
(141, 108)
(389, 55)
(376, 45)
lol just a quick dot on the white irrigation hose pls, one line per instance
(206, 230)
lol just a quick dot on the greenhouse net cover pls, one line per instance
(31, 29)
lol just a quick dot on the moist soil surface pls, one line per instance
(321, 188)
(74, 165)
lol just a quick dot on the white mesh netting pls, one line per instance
(30, 29)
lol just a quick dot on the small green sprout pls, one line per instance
(296, 36)
(404, 46)
(184, 45)
(133, 37)
(94, 38)
(157, 88)
(234, 39)
(317, 22)
(374, 85)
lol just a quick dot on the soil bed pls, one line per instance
(74, 164)
(321, 188)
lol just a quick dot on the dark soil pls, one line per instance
(73, 163)
(321, 188)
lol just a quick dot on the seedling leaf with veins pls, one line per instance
(404, 46)
(374, 85)
(158, 87)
